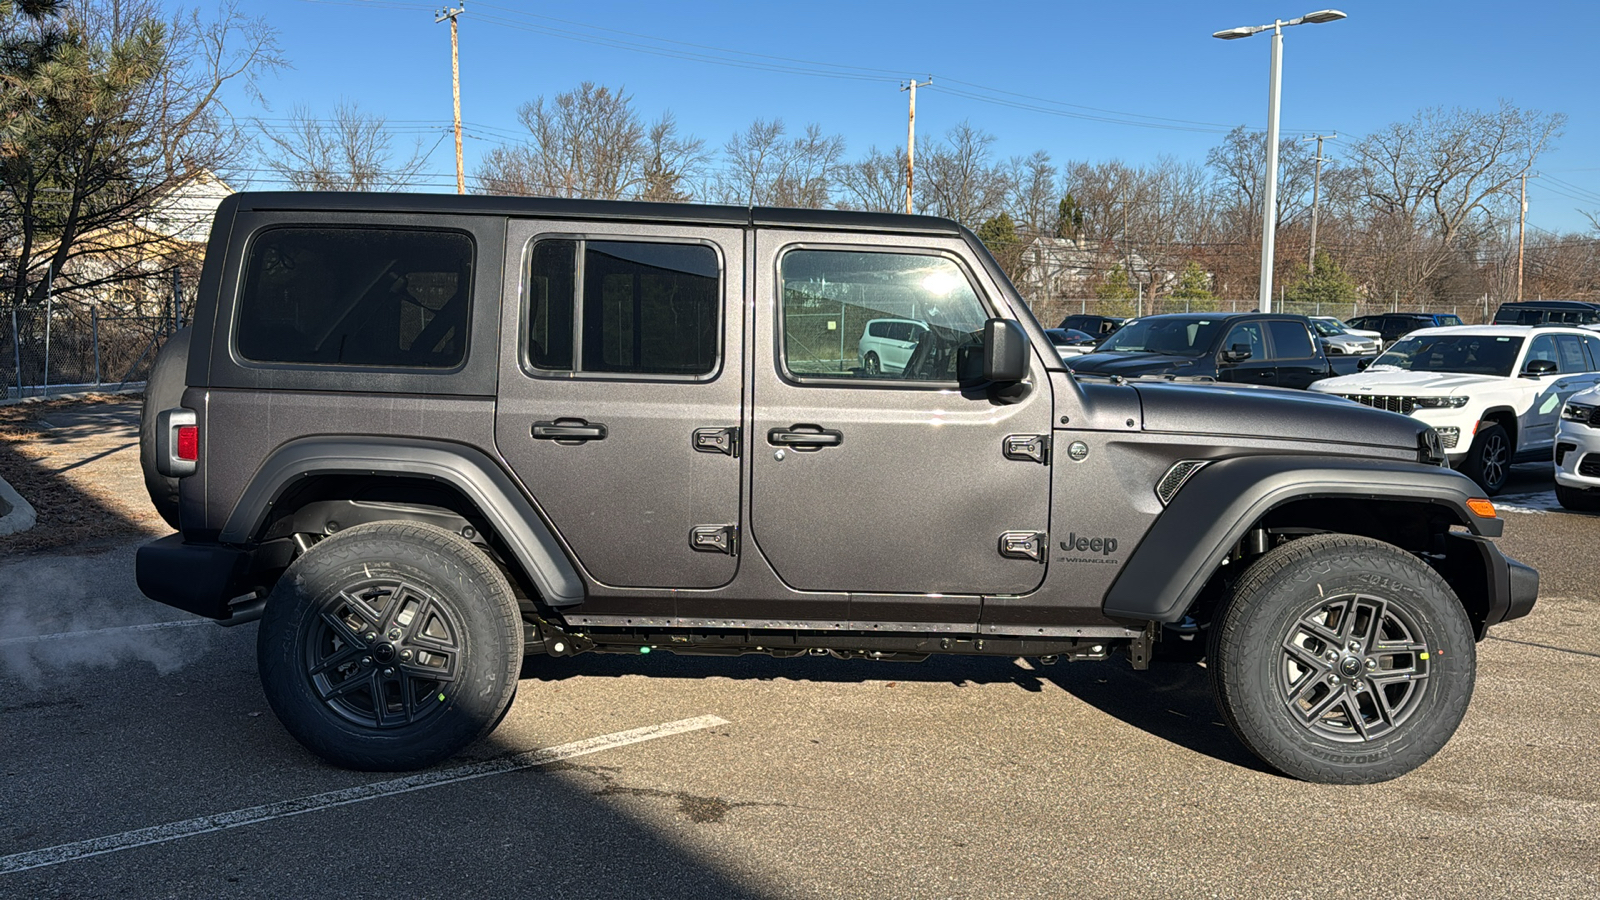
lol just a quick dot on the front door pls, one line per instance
(1259, 368)
(881, 482)
(620, 401)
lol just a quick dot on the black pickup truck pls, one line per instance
(1246, 348)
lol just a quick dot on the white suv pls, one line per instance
(886, 344)
(1493, 392)
(1578, 452)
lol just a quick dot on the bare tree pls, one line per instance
(588, 142)
(876, 182)
(763, 168)
(349, 152)
(1034, 201)
(107, 108)
(959, 180)
(672, 165)
(1240, 167)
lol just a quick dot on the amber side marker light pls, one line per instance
(1482, 508)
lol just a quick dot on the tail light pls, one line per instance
(177, 442)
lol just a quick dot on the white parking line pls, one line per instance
(97, 632)
(172, 831)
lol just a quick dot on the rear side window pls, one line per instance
(1573, 359)
(625, 307)
(1291, 340)
(356, 297)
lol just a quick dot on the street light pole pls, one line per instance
(1269, 202)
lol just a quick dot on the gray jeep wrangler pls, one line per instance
(420, 437)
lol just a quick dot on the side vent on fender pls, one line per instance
(1180, 472)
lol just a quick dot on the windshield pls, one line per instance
(1180, 337)
(1470, 354)
(1063, 337)
(1325, 328)
(1449, 320)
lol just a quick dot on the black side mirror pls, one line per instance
(1236, 353)
(1538, 368)
(1362, 365)
(1005, 351)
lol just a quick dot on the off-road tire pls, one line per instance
(1578, 499)
(1488, 461)
(163, 390)
(446, 672)
(1269, 694)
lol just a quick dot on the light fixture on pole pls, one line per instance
(1269, 200)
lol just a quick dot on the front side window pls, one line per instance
(646, 308)
(872, 316)
(356, 297)
(1247, 335)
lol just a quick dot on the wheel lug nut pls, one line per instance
(366, 660)
(1372, 664)
(394, 634)
(1333, 655)
(387, 673)
(371, 636)
(1355, 646)
(405, 655)
(1333, 679)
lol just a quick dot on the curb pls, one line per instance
(18, 513)
(74, 395)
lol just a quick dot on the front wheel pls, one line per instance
(1488, 461)
(1343, 660)
(390, 646)
(1578, 499)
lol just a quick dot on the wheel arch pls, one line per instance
(422, 480)
(1506, 418)
(1207, 522)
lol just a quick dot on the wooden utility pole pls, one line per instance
(1522, 227)
(1316, 187)
(455, 85)
(911, 134)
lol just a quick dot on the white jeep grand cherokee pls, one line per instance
(1493, 392)
(1578, 452)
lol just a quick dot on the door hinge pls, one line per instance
(1023, 545)
(1028, 446)
(715, 539)
(717, 440)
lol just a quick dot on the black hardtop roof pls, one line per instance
(1551, 304)
(555, 207)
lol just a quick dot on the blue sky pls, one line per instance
(1150, 63)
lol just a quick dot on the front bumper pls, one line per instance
(1495, 587)
(1578, 456)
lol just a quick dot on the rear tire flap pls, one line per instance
(164, 390)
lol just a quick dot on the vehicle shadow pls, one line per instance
(1172, 701)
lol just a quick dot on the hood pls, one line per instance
(1130, 365)
(1402, 382)
(1198, 408)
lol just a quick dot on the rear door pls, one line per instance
(620, 402)
(1298, 361)
(904, 489)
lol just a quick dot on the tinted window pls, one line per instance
(1474, 354)
(646, 309)
(1570, 348)
(1449, 320)
(1183, 336)
(1593, 345)
(1247, 335)
(829, 296)
(1290, 340)
(356, 297)
(1544, 347)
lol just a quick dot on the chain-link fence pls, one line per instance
(66, 346)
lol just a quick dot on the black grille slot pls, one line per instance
(1589, 465)
(1394, 404)
(1594, 417)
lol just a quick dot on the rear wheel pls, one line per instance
(1578, 499)
(873, 366)
(390, 646)
(1343, 660)
(1488, 461)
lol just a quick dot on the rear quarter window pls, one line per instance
(384, 298)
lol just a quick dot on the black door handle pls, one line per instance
(576, 430)
(805, 437)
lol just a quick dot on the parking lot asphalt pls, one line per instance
(138, 758)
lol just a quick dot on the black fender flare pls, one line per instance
(472, 472)
(1215, 508)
